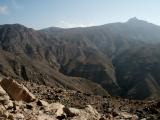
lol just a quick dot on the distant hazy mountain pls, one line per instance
(123, 58)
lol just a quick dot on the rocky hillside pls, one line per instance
(27, 55)
(142, 71)
(48, 103)
(119, 58)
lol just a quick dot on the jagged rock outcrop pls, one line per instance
(49, 111)
(16, 91)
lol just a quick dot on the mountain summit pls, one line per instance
(134, 19)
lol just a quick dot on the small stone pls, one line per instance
(9, 105)
(42, 103)
(115, 113)
(62, 117)
(29, 106)
(11, 117)
(70, 112)
(19, 116)
(5, 114)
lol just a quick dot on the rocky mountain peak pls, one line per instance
(135, 20)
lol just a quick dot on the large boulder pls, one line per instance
(88, 113)
(57, 109)
(16, 91)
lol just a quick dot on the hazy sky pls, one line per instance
(76, 13)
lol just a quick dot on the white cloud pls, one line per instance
(65, 24)
(3, 9)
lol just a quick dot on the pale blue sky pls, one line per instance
(76, 13)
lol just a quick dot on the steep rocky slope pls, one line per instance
(75, 58)
(139, 70)
(122, 44)
(42, 102)
(26, 54)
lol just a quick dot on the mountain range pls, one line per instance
(121, 59)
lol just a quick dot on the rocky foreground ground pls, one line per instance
(20, 100)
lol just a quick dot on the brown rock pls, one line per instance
(4, 98)
(18, 116)
(11, 117)
(16, 91)
(3, 113)
(2, 91)
(9, 105)
(71, 112)
(1, 109)
(89, 113)
(45, 117)
(57, 108)
(42, 103)
(29, 106)
(115, 113)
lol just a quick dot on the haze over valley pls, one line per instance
(84, 71)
